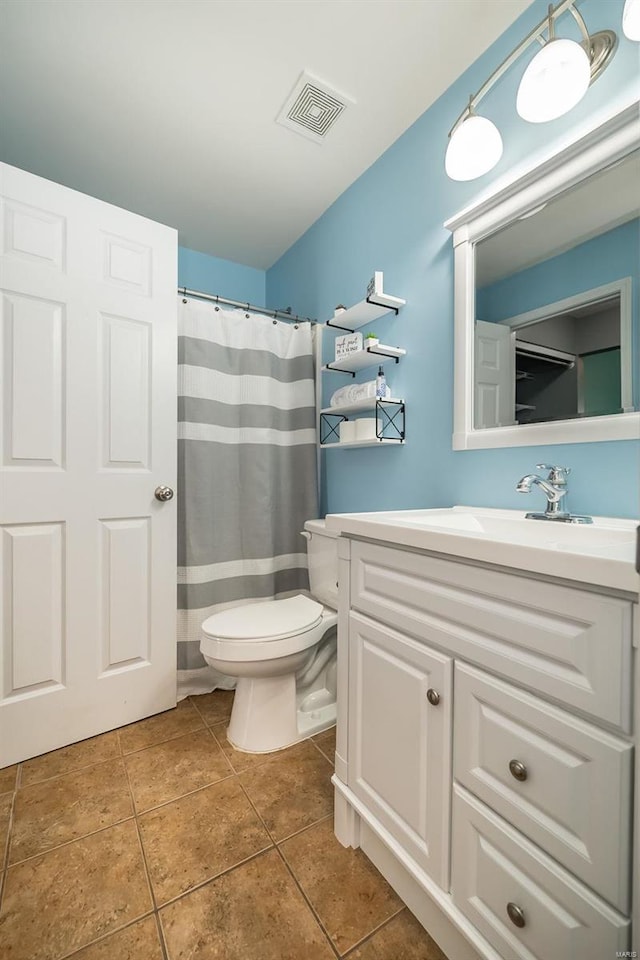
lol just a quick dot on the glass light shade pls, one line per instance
(474, 148)
(631, 19)
(555, 81)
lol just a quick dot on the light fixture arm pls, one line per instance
(535, 34)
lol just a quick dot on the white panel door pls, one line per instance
(400, 742)
(87, 432)
(495, 375)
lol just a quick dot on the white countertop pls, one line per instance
(601, 553)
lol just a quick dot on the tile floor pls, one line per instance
(159, 841)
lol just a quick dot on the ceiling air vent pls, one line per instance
(312, 108)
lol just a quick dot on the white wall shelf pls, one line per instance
(365, 312)
(390, 418)
(362, 406)
(369, 357)
(389, 412)
(352, 444)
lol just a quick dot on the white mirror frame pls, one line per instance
(610, 142)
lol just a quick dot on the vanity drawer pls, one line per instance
(553, 792)
(494, 866)
(569, 644)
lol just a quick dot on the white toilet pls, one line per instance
(283, 653)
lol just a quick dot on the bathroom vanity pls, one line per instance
(486, 726)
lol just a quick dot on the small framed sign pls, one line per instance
(349, 343)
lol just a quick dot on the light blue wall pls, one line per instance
(199, 271)
(391, 219)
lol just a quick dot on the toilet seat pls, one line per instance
(275, 628)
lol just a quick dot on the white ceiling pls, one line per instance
(168, 107)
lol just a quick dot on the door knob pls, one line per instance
(163, 493)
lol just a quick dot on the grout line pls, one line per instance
(204, 883)
(306, 899)
(158, 743)
(66, 773)
(161, 937)
(67, 843)
(139, 836)
(372, 933)
(7, 843)
(297, 833)
(105, 936)
(165, 803)
(290, 871)
(322, 753)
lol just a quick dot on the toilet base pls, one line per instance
(290, 716)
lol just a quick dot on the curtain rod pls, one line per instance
(286, 314)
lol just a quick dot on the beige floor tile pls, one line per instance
(196, 838)
(169, 770)
(292, 791)
(137, 942)
(238, 759)
(8, 778)
(67, 759)
(402, 937)
(327, 742)
(215, 706)
(349, 895)
(5, 816)
(56, 811)
(255, 912)
(70, 896)
(164, 726)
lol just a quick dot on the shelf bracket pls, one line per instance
(379, 353)
(349, 373)
(331, 429)
(376, 303)
(337, 326)
(386, 420)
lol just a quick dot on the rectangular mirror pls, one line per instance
(547, 276)
(549, 344)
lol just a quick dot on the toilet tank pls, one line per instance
(322, 554)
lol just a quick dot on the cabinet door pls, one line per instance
(519, 899)
(400, 742)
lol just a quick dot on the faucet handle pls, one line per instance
(556, 474)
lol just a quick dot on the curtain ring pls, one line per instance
(184, 295)
(217, 309)
(274, 322)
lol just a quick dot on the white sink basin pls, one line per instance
(600, 553)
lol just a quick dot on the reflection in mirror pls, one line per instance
(557, 306)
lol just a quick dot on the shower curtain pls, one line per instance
(246, 468)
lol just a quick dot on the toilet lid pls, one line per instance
(264, 621)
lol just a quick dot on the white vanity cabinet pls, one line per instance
(484, 755)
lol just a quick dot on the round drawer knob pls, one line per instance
(518, 770)
(433, 697)
(516, 915)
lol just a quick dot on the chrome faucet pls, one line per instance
(555, 489)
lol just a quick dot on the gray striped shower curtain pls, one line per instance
(246, 468)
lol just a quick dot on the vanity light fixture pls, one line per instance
(554, 82)
(631, 19)
(475, 146)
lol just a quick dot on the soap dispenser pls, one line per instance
(381, 384)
